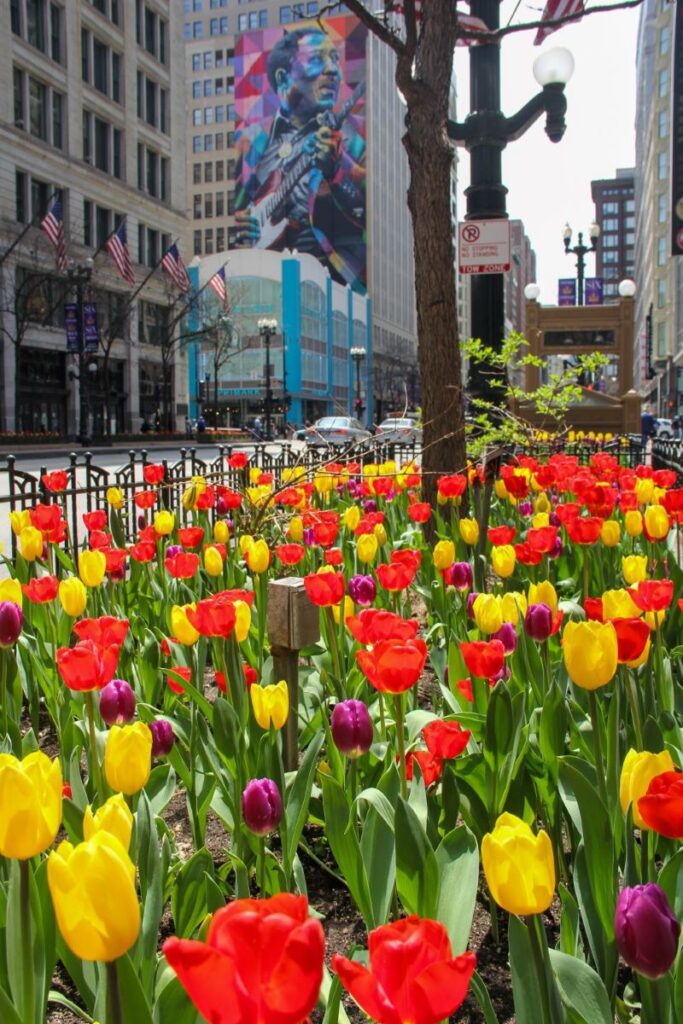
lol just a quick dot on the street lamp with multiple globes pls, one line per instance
(358, 354)
(78, 276)
(485, 133)
(580, 251)
(267, 328)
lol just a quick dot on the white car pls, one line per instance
(336, 430)
(663, 428)
(401, 430)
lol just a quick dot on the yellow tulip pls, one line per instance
(657, 522)
(503, 560)
(590, 653)
(519, 866)
(512, 605)
(542, 505)
(73, 596)
(441, 499)
(324, 483)
(221, 532)
(270, 704)
(644, 489)
(645, 653)
(610, 533)
(380, 533)
(128, 757)
(31, 543)
(291, 474)
(487, 613)
(366, 547)
(182, 629)
(242, 621)
(469, 531)
(634, 568)
(213, 562)
(633, 523)
(444, 554)
(193, 492)
(351, 517)
(164, 522)
(30, 804)
(245, 542)
(540, 520)
(114, 817)
(10, 590)
(295, 530)
(655, 619)
(19, 521)
(348, 609)
(92, 566)
(637, 772)
(543, 593)
(115, 497)
(618, 604)
(92, 886)
(259, 556)
(500, 489)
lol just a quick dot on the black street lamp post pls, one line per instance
(580, 251)
(79, 275)
(485, 133)
(267, 327)
(358, 354)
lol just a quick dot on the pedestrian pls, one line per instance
(647, 426)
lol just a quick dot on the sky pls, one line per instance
(549, 184)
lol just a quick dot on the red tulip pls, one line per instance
(410, 557)
(412, 978)
(46, 518)
(183, 565)
(325, 534)
(290, 554)
(445, 739)
(396, 576)
(191, 536)
(501, 534)
(233, 499)
(236, 595)
(207, 499)
(116, 559)
(584, 529)
(153, 473)
(103, 631)
(87, 666)
(662, 806)
(393, 666)
(334, 556)
(653, 595)
(183, 672)
(214, 616)
(593, 608)
(632, 635)
(96, 520)
(527, 555)
(452, 486)
(262, 962)
(143, 552)
(431, 766)
(419, 511)
(145, 499)
(543, 539)
(42, 589)
(55, 481)
(483, 658)
(238, 460)
(664, 478)
(464, 686)
(375, 624)
(98, 540)
(325, 588)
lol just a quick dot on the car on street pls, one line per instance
(399, 430)
(336, 430)
(663, 428)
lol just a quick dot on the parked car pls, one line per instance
(663, 428)
(399, 430)
(336, 430)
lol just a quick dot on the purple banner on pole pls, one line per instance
(593, 295)
(71, 326)
(566, 291)
(91, 333)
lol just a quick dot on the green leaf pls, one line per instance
(171, 1001)
(377, 844)
(134, 1006)
(671, 881)
(298, 797)
(525, 983)
(8, 1014)
(417, 871)
(457, 858)
(480, 993)
(570, 935)
(581, 989)
(189, 896)
(345, 847)
(161, 787)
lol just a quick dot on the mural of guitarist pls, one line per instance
(301, 143)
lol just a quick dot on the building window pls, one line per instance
(100, 66)
(285, 15)
(208, 143)
(33, 196)
(196, 116)
(610, 224)
(102, 144)
(609, 208)
(208, 115)
(196, 174)
(208, 206)
(196, 143)
(662, 124)
(196, 90)
(153, 30)
(187, 30)
(220, 204)
(197, 207)
(661, 166)
(208, 241)
(661, 208)
(208, 172)
(219, 170)
(196, 62)
(242, 22)
(661, 251)
(661, 293)
(109, 8)
(197, 243)
(630, 205)
(224, 26)
(208, 60)
(663, 82)
(220, 239)
(664, 40)
(253, 19)
(661, 339)
(45, 108)
(15, 17)
(213, 27)
(219, 140)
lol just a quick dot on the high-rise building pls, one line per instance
(615, 215)
(234, 72)
(92, 113)
(659, 277)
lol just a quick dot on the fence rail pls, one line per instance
(668, 454)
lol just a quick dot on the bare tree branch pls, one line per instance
(523, 26)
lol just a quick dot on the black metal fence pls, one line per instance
(668, 454)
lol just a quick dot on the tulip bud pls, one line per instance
(460, 576)
(538, 621)
(362, 590)
(507, 634)
(222, 507)
(172, 550)
(525, 508)
(162, 737)
(369, 506)
(117, 702)
(128, 757)
(646, 930)
(261, 806)
(11, 618)
(471, 598)
(73, 596)
(351, 728)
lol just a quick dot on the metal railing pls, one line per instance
(668, 454)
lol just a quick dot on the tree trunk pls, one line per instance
(430, 158)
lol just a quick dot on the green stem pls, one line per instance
(597, 747)
(261, 867)
(95, 771)
(115, 1016)
(586, 574)
(382, 719)
(539, 944)
(27, 971)
(401, 743)
(331, 637)
(632, 695)
(4, 690)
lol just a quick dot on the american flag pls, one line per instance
(470, 24)
(53, 226)
(117, 247)
(217, 282)
(557, 9)
(175, 268)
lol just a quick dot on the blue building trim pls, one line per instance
(370, 410)
(349, 339)
(190, 326)
(330, 351)
(291, 326)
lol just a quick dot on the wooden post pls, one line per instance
(293, 623)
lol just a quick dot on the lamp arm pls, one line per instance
(552, 101)
(458, 131)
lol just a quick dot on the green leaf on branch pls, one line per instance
(457, 858)
(417, 871)
(581, 989)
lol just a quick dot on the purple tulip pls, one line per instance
(221, 507)
(118, 574)
(507, 634)
(525, 508)
(369, 506)
(471, 598)
(502, 676)
(459, 575)
(172, 550)
(362, 590)
(538, 621)
(557, 549)
(117, 702)
(11, 618)
(162, 737)
(553, 518)
(646, 930)
(261, 806)
(351, 728)
(309, 537)
(142, 522)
